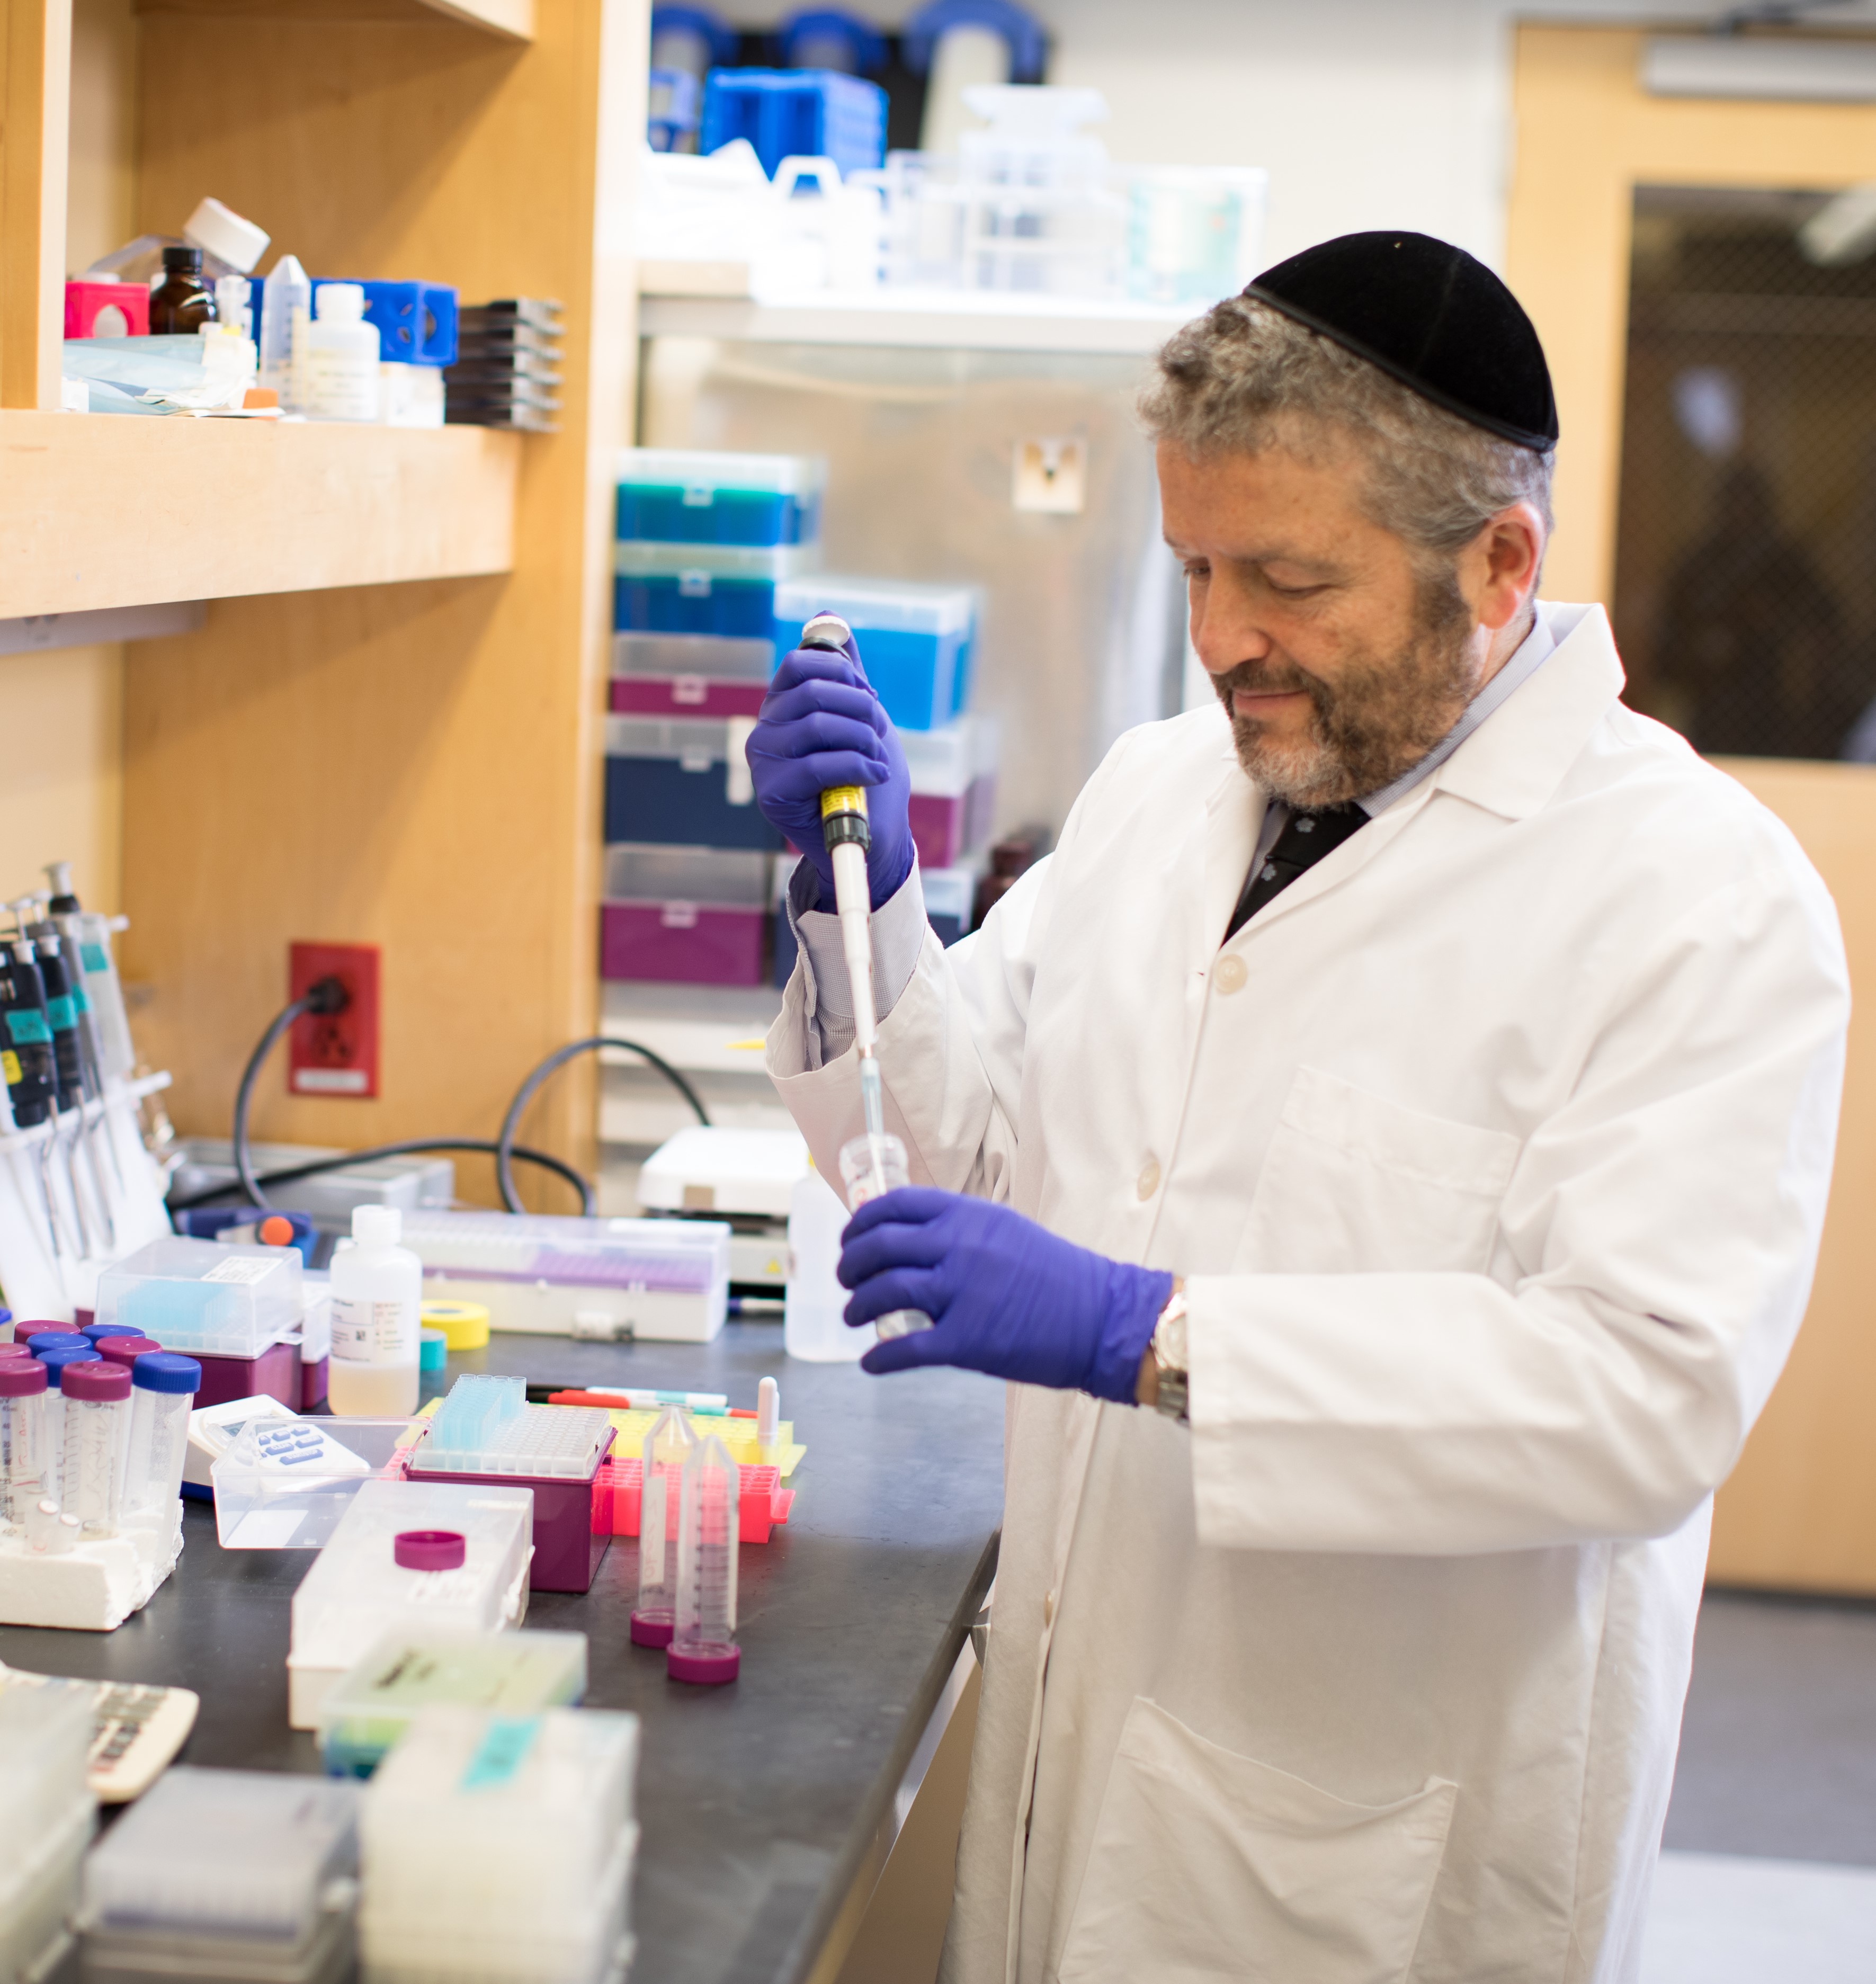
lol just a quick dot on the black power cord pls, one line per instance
(504, 1142)
(329, 995)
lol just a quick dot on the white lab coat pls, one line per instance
(1495, 1152)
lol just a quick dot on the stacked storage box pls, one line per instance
(704, 540)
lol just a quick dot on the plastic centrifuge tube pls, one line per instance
(25, 1460)
(703, 1649)
(55, 1362)
(97, 1399)
(162, 1389)
(870, 1167)
(667, 1446)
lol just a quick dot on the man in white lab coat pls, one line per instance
(1391, 1245)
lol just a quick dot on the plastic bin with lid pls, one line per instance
(664, 1279)
(284, 1483)
(796, 113)
(682, 781)
(705, 496)
(689, 588)
(201, 1297)
(953, 772)
(485, 1431)
(687, 916)
(370, 1579)
(499, 1849)
(915, 640)
(690, 675)
(415, 1667)
(244, 1875)
(47, 1815)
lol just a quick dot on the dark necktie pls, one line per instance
(1305, 838)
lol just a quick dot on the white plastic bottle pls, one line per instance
(285, 316)
(813, 1299)
(340, 381)
(377, 1292)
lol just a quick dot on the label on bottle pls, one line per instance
(366, 1333)
(340, 385)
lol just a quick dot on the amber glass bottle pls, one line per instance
(182, 304)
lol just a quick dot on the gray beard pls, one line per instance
(1377, 720)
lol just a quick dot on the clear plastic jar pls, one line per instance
(870, 1167)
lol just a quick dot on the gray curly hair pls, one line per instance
(1244, 377)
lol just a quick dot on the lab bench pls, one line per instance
(764, 1805)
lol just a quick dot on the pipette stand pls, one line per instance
(76, 1193)
(93, 1585)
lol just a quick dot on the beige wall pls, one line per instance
(62, 795)
(62, 792)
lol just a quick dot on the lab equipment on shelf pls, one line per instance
(698, 496)
(690, 675)
(286, 311)
(729, 590)
(683, 781)
(870, 1167)
(339, 371)
(796, 113)
(249, 1876)
(377, 1292)
(703, 1649)
(235, 1310)
(183, 302)
(696, 916)
(485, 1430)
(668, 1445)
(671, 100)
(507, 371)
(916, 640)
(666, 1280)
(953, 773)
(284, 1483)
(107, 310)
(383, 1569)
(47, 1814)
(517, 1674)
(745, 1176)
(499, 1848)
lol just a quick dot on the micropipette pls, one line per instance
(848, 835)
(27, 1060)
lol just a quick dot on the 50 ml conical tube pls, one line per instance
(703, 1649)
(667, 1446)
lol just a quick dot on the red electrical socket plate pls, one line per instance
(335, 1054)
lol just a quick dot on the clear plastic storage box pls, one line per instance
(498, 1850)
(692, 916)
(668, 1280)
(953, 789)
(284, 1483)
(679, 781)
(247, 1876)
(360, 1588)
(914, 640)
(698, 496)
(417, 1668)
(689, 674)
(47, 1812)
(199, 1297)
(720, 589)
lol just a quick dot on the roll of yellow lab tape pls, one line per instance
(464, 1325)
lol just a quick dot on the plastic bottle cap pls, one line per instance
(164, 1371)
(344, 302)
(95, 1379)
(185, 261)
(41, 1337)
(94, 1332)
(375, 1225)
(11, 1352)
(275, 1232)
(20, 1377)
(122, 1349)
(429, 1550)
(433, 1350)
(55, 1363)
(225, 235)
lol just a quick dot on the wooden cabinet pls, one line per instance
(387, 728)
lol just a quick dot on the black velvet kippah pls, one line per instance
(1430, 315)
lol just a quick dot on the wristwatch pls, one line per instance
(1169, 1354)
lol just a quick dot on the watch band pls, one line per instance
(1170, 1362)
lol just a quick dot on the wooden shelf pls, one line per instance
(100, 510)
(512, 20)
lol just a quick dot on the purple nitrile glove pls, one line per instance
(1005, 1296)
(821, 725)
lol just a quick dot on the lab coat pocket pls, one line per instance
(1207, 1866)
(1353, 1184)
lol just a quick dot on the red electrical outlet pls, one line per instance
(335, 1054)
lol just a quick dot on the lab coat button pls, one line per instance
(1149, 1180)
(1230, 973)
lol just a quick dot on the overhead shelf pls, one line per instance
(102, 511)
(932, 320)
(513, 20)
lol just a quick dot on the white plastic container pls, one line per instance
(197, 1296)
(377, 1300)
(163, 1394)
(499, 1850)
(285, 314)
(813, 1299)
(360, 1588)
(236, 1875)
(284, 1483)
(47, 1812)
(339, 376)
